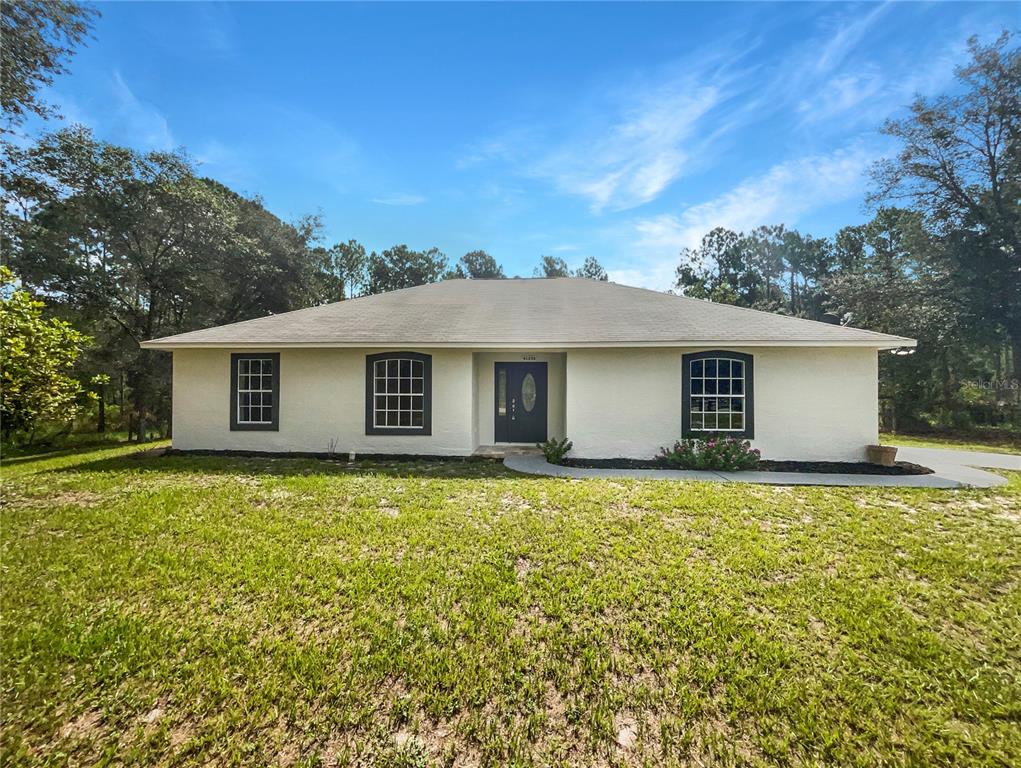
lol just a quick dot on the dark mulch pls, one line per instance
(845, 467)
(616, 463)
(831, 467)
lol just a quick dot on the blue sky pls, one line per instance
(623, 132)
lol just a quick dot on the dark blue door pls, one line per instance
(521, 402)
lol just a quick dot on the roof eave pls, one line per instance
(882, 342)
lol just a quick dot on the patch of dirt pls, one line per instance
(521, 567)
(179, 735)
(386, 508)
(288, 755)
(627, 731)
(153, 716)
(511, 501)
(85, 725)
(75, 499)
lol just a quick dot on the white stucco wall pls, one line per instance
(322, 398)
(485, 393)
(810, 403)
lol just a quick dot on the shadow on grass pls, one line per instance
(13, 456)
(439, 468)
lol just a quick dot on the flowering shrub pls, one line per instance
(722, 453)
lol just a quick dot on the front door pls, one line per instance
(521, 402)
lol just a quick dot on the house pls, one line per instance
(462, 365)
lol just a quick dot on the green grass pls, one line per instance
(201, 610)
(1001, 444)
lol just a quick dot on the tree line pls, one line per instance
(940, 261)
(125, 246)
(130, 246)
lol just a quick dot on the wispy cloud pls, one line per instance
(625, 142)
(848, 34)
(639, 154)
(781, 195)
(648, 131)
(142, 122)
(216, 28)
(399, 200)
(843, 93)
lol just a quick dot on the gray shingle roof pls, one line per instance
(525, 312)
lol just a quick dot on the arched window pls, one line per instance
(717, 394)
(398, 394)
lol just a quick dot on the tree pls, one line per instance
(552, 266)
(37, 356)
(348, 263)
(39, 36)
(134, 246)
(716, 269)
(400, 267)
(592, 270)
(478, 265)
(960, 167)
(898, 286)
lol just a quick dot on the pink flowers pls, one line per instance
(717, 453)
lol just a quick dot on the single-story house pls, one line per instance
(466, 366)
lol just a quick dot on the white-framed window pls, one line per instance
(255, 390)
(398, 393)
(718, 393)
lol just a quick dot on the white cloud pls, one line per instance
(624, 142)
(399, 200)
(639, 140)
(782, 195)
(145, 125)
(842, 93)
(216, 29)
(642, 150)
(847, 37)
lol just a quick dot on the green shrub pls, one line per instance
(554, 450)
(721, 453)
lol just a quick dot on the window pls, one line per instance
(717, 394)
(398, 394)
(255, 391)
(501, 397)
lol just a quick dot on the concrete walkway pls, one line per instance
(951, 469)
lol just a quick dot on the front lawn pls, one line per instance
(187, 611)
(998, 444)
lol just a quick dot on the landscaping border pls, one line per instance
(949, 471)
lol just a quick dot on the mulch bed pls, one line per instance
(830, 467)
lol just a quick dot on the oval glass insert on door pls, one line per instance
(528, 392)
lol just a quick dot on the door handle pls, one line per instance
(512, 409)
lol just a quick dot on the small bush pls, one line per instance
(554, 450)
(721, 453)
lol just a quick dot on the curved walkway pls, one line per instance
(951, 469)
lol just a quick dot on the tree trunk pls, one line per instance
(1015, 353)
(138, 396)
(101, 421)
